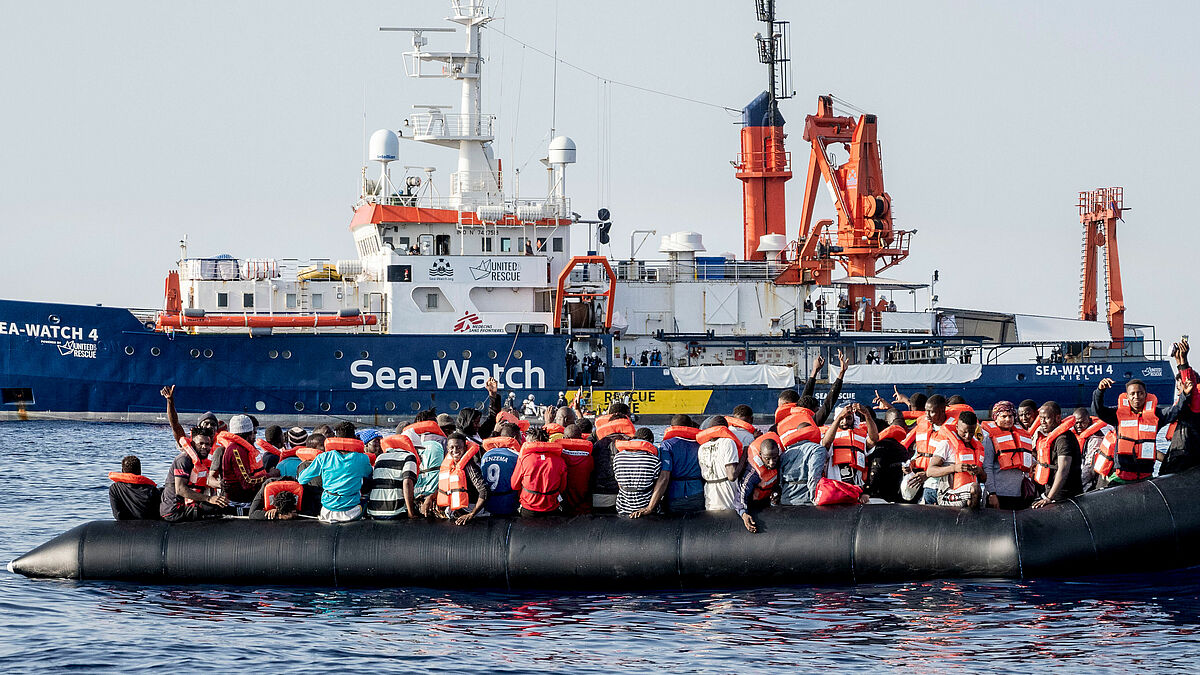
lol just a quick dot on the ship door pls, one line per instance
(441, 245)
(375, 308)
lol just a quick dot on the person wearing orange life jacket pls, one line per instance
(1137, 419)
(393, 480)
(460, 483)
(1183, 451)
(289, 461)
(616, 426)
(285, 499)
(270, 448)
(184, 494)
(760, 487)
(577, 454)
(239, 479)
(1057, 458)
(132, 496)
(955, 405)
(957, 461)
(1007, 459)
(718, 457)
(206, 421)
(1090, 432)
(921, 439)
(343, 469)
(429, 440)
(1027, 416)
(636, 467)
(849, 439)
(680, 469)
(500, 454)
(741, 422)
(808, 400)
(540, 476)
(885, 462)
(915, 403)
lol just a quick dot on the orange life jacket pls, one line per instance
(913, 414)
(452, 481)
(501, 442)
(617, 426)
(850, 447)
(422, 428)
(1014, 447)
(1127, 468)
(741, 424)
(799, 426)
(267, 448)
(964, 452)
(309, 454)
(895, 433)
(768, 479)
(1106, 455)
(198, 478)
(1136, 431)
(130, 478)
(688, 433)
(554, 428)
(713, 433)
(345, 445)
(576, 447)
(272, 489)
(785, 411)
(953, 411)
(1094, 428)
(637, 445)
(920, 439)
(397, 442)
(539, 482)
(1045, 446)
(507, 417)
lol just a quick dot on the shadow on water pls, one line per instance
(1119, 622)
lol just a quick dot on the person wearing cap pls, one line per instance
(239, 479)
(289, 463)
(342, 472)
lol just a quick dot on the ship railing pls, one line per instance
(770, 160)
(437, 126)
(666, 271)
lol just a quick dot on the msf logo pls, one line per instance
(467, 322)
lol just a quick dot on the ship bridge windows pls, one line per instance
(485, 245)
(404, 243)
(506, 245)
(557, 244)
(318, 301)
(248, 300)
(222, 299)
(291, 300)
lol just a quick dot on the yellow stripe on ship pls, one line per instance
(651, 401)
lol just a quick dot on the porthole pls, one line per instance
(389, 406)
(415, 406)
(491, 353)
(129, 350)
(466, 353)
(273, 354)
(337, 354)
(208, 353)
(519, 354)
(351, 406)
(1020, 377)
(260, 406)
(454, 405)
(155, 351)
(299, 406)
(441, 353)
(195, 353)
(324, 407)
(53, 318)
(1128, 375)
(364, 354)
(287, 354)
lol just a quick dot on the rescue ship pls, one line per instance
(479, 279)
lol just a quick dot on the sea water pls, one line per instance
(54, 477)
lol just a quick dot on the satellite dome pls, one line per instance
(562, 150)
(384, 146)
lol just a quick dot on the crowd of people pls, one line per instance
(909, 449)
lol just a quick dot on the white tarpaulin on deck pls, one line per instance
(907, 322)
(775, 377)
(1052, 329)
(913, 373)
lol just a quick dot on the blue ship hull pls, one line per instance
(100, 363)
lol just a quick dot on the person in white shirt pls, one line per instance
(718, 457)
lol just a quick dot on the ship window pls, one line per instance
(431, 301)
(324, 406)
(520, 244)
(291, 301)
(247, 299)
(404, 243)
(351, 406)
(318, 301)
(299, 406)
(415, 405)
(155, 351)
(337, 354)
(541, 243)
(129, 351)
(222, 299)
(260, 406)
(389, 406)
(454, 405)
(442, 244)
(399, 273)
(387, 241)
(506, 244)
(486, 245)
(557, 243)
(491, 353)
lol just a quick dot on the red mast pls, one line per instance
(1099, 211)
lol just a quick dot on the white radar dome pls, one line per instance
(681, 242)
(771, 243)
(384, 146)
(562, 150)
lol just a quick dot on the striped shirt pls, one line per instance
(387, 483)
(636, 472)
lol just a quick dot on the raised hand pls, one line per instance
(168, 392)
(818, 364)
(1105, 384)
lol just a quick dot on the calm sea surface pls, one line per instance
(54, 477)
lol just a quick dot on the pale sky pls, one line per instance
(130, 124)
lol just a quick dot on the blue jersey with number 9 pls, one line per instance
(497, 466)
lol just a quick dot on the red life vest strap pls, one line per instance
(637, 445)
(344, 444)
(397, 442)
(687, 433)
(130, 478)
(713, 433)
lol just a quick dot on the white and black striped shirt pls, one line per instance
(636, 472)
(387, 483)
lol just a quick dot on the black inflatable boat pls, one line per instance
(1152, 525)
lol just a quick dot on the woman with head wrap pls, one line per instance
(1007, 459)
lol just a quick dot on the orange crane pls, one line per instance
(1099, 211)
(864, 242)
